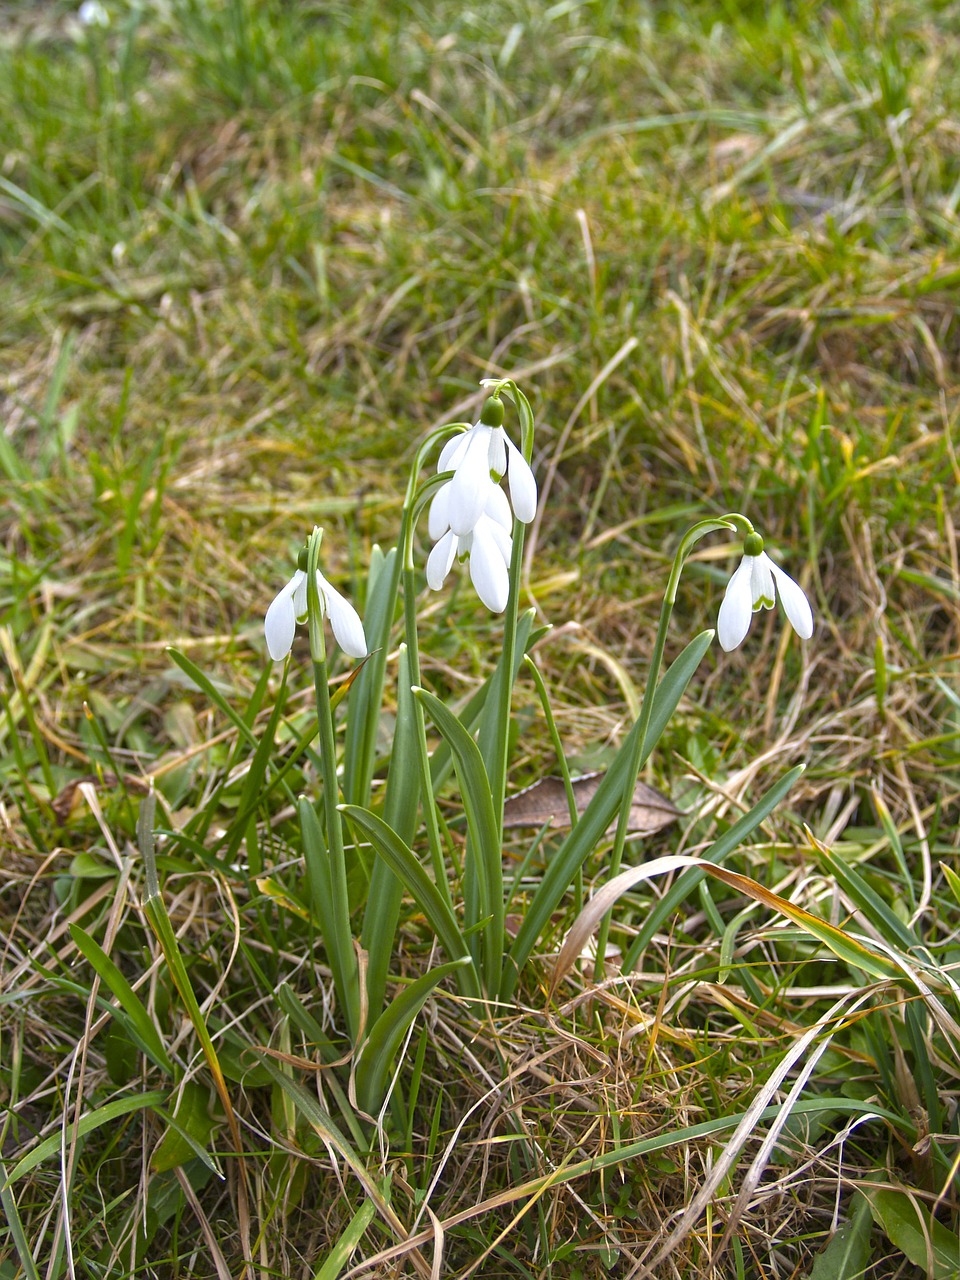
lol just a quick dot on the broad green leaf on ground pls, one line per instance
(847, 1253)
(906, 1220)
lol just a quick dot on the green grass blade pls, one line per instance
(311, 1111)
(87, 1123)
(599, 813)
(125, 994)
(848, 1253)
(406, 865)
(155, 910)
(719, 850)
(400, 808)
(204, 683)
(388, 1031)
(366, 698)
(254, 792)
(915, 1232)
(339, 1256)
(15, 1226)
(484, 838)
(889, 925)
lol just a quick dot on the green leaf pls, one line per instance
(88, 1123)
(388, 1031)
(204, 683)
(339, 1256)
(890, 926)
(366, 700)
(189, 1131)
(253, 794)
(15, 1228)
(155, 909)
(400, 808)
(311, 1111)
(720, 849)
(406, 865)
(921, 1238)
(484, 837)
(599, 813)
(126, 996)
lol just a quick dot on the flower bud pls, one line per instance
(491, 415)
(753, 545)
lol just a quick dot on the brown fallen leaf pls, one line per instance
(546, 801)
(67, 801)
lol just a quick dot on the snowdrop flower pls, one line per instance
(488, 547)
(290, 607)
(753, 586)
(479, 459)
(92, 14)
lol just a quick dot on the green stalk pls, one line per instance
(343, 959)
(412, 506)
(734, 522)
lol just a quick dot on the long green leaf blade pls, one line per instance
(125, 994)
(484, 835)
(599, 813)
(405, 864)
(388, 1031)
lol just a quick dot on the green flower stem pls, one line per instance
(413, 504)
(343, 960)
(563, 767)
(735, 523)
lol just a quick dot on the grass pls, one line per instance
(252, 253)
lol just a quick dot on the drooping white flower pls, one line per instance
(754, 585)
(479, 459)
(92, 14)
(487, 547)
(290, 607)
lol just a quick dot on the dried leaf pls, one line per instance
(546, 801)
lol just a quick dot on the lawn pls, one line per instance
(285, 989)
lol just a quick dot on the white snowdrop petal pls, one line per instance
(523, 485)
(488, 571)
(498, 452)
(470, 486)
(344, 619)
(501, 537)
(438, 521)
(736, 609)
(452, 451)
(298, 585)
(795, 604)
(761, 581)
(280, 624)
(498, 508)
(440, 559)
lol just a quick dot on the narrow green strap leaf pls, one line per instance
(254, 793)
(204, 682)
(719, 850)
(867, 899)
(400, 809)
(311, 1111)
(406, 865)
(338, 1258)
(388, 1031)
(484, 834)
(155, 909)
(106, 1114)
(15, 1226)
(599, 813)
(126, 996)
